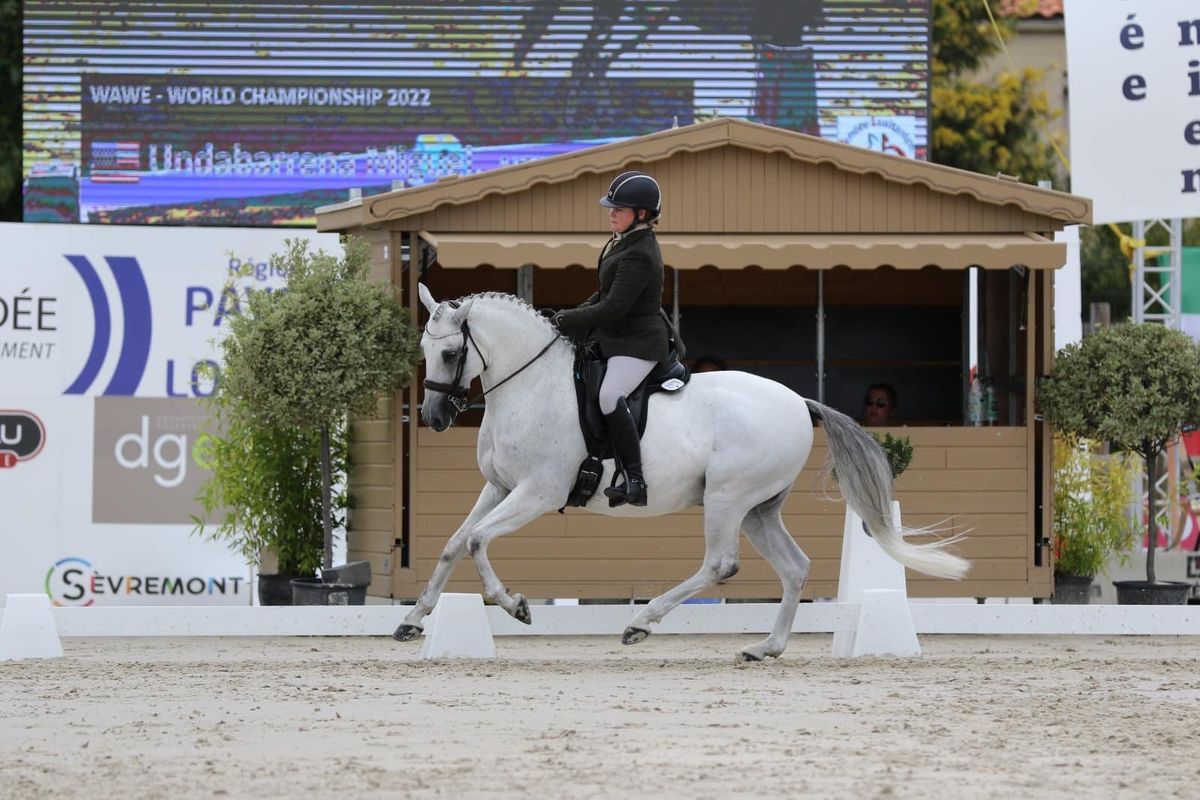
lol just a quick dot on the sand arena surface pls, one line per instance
(555, 717)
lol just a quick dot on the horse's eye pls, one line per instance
(449, 356)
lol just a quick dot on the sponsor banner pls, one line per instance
(22, 436)
(79, 581)
(895, 136)
(103, 333)
(48, 510)
(122, 311)
(145, 448)
(1134, 82)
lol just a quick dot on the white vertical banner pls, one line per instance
(1068, 292)
(1134, 82)
(102, 330)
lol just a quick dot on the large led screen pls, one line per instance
(255, 114)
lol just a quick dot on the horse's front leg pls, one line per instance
(517, 510)
(452, 553)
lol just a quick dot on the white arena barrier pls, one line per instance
(735, 618)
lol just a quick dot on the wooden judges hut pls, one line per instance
(823, 266)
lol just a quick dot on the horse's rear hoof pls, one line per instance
(634, 635)
(406, 633)
(745, 657)
(522, 613)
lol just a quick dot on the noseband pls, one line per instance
(459, 395)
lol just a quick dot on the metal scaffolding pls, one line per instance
(1158, 289)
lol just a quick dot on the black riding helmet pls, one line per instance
(634, 190)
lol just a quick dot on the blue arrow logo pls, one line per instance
(135, 342)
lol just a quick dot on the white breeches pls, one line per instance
(623, 376)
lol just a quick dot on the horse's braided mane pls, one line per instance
(512, 299)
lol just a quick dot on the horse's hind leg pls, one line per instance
(720, 562)
(765, 530)
(455, 549)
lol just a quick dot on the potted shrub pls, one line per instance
(264, 494)
(898, 450)
(326, 347)
(1134, 385)
(1092, 520)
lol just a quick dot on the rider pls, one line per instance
(627, 315)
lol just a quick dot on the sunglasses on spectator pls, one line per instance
(878, 402)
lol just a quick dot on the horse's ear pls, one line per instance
(461, 312)
(427, 298)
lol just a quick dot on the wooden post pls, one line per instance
(407, 518)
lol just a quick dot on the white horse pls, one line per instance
(729, 441)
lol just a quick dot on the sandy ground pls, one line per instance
(1004, 717)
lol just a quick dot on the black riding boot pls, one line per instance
(622, 430)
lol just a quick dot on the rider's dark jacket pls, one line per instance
(627, 311)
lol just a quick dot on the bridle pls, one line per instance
(458, 394)
(455, 391)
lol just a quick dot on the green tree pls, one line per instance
(1133, 385)
(1104, 272)
(1092, 493)
(10, 110)
(326, 347)
(264, 492)
(1191, 233)
(985, 127)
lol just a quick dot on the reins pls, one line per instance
(457, 393)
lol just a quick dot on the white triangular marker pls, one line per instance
(458, 628)
(866, 568)
(27, 629)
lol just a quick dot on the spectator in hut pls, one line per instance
(880, 405)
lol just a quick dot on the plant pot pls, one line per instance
(1144, 593)
(315, 592)
(275, 589)
(1073, 590)
(355, 573)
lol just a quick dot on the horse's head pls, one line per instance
(452, 360)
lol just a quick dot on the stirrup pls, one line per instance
(619, 495)
(616, 496)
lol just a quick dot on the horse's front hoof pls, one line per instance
(406, 633)
(522, 612)
(758, 653)
(634, 635)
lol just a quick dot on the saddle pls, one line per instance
(667, 376)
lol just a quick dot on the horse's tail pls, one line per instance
(866, 481)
